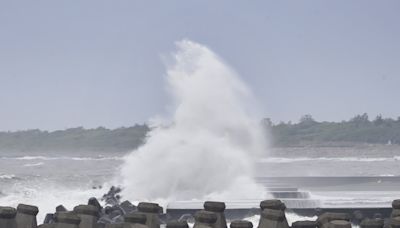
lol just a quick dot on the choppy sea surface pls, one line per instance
(367, 160)
(50, 179)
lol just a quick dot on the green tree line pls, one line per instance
(359, 129)
(75, 139)
(307, 132)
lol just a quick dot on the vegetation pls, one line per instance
(358, 129)
(74, 139)
(307, 132)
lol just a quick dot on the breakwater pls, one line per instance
(110, 212)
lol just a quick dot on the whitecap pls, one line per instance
(33, 164)
(45, 158)
(7, 176)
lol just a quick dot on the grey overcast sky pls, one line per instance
(97, 63)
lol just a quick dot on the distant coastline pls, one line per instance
(74, 140)
(356, 132)
(359, 130)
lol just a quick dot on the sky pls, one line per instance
(100, 63)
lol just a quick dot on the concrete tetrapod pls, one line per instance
(241, 224)
(151, 210)
(324, 219)
(177, 224)
(7, 217)
(274, 204)
(372, 223)
(66, 219)
(395, 222)
(396, 208)
(304, 224)
(26, 216)
(339, 224)
(271, 218)
(204, 219)
(47, 225)
(135, 220)
(396, 204)
(218, 208)
(88, 214)
(115, 225)
(94, 202)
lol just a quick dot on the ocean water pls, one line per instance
(210, 146)
(365, 160)
(362, 178)
(50, 179)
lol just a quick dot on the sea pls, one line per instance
(359, 176)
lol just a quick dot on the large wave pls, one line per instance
(207, 149)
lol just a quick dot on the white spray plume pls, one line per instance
(207, 151)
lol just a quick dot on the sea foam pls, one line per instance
(207, 147)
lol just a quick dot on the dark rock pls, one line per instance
(107, 210)
(111, 197)
(128, 207)
(318, 211)
(377, 216)
(49, 218)
(358, 216)
(115, 212)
